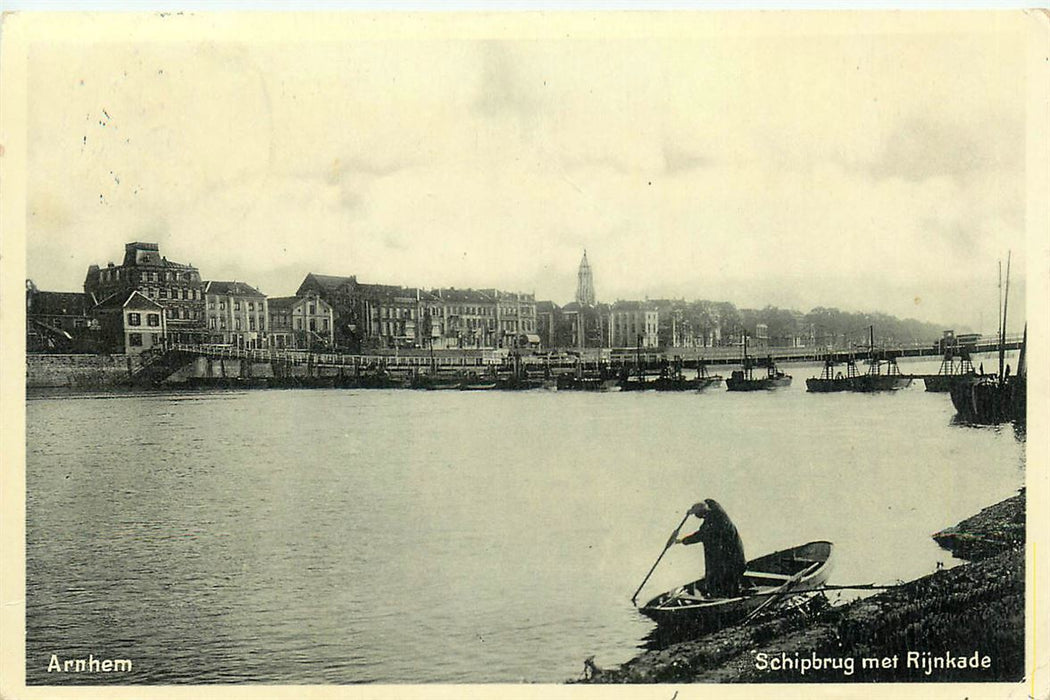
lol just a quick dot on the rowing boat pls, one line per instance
(766, 579)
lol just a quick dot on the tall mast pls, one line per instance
(1002, 321)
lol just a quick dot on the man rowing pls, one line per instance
(724, 561)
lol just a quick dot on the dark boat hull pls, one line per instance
(942, 383)
(826, 386)
(765, 577)
(869, 383)
(987, 402)
(761, 384)
(568, 383)
(635, 385)
(698, 384)
(477, 386)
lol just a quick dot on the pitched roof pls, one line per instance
(461, 295)
(120, 300)
(387, 291)
(623, 305)
(329, 282)
(277, 303)
(59, 304)
(232, 289)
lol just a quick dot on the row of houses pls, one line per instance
(378, 316)
(148, 300)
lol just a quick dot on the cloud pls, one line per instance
(502, 91)
(678, 160)
(919, 149)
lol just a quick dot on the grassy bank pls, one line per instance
(960, 624)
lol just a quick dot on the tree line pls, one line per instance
(822, 326)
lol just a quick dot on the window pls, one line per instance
(153, 320)
(313, 324)
(134, 319)
(298, 324)
(237, 306)
(237, 324)
(222, 305)
(163, 292)
(324, 324)
(313, 309)
(185, 313)
(135, 340)
(154, 338)
(185, 294)
(251, 323)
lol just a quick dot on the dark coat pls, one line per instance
(724, 560)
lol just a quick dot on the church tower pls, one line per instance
(585, 283)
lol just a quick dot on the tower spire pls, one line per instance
(585, 283)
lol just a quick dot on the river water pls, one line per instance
(395, 536)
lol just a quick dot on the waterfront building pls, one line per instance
(485, 318)
(176, 287)
(59, 321)
(585, 319)
(547, 316)
(130, 324)
(634, 324)
(236, 314)
(368, 316)
(515, 319)
(376, 316)
(687, 324)
(586, 326)
(468, 318)
(301, 323)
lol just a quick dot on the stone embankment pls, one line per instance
(78, 371)
(961, 624)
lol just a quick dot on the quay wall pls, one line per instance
(45, 371)
(78, 371)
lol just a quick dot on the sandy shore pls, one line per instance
(961, 624)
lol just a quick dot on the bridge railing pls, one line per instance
(554, 361)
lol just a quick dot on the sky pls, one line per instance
(875, 163)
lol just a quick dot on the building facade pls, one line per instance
(236, 314)
(376, 316)
(515, 319)
(176, 287)
(368, 316)
(60, 322)
(132, 324)
(634, 324)
(301, 323)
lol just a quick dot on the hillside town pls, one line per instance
(148, 300)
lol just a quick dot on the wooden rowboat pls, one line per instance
(766, 580)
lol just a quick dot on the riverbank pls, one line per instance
(961, 624)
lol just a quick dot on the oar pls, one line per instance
(670, 541)
(784, 588)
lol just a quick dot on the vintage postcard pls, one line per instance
(425, 354)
